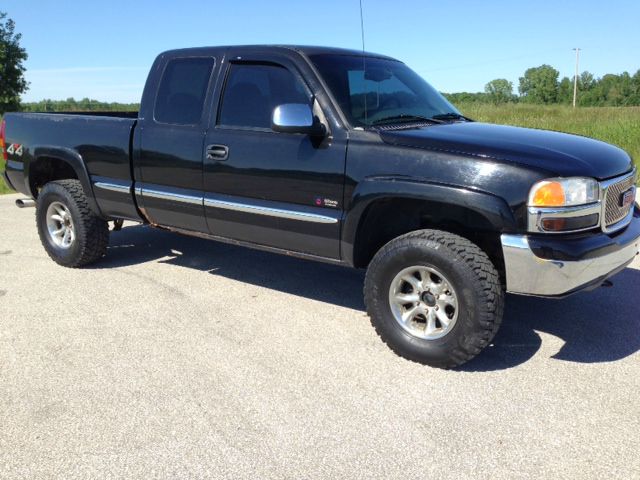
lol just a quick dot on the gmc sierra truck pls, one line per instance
(344, 157)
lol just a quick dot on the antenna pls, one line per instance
(362, 27)
(364, 63)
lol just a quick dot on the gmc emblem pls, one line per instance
(627, 197)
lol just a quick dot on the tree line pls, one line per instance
(73, 105)
(541, 85)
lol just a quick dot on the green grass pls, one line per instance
(617, 125)
(3, 186)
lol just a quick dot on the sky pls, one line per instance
(103, 49)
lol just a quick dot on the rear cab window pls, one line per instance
(182, 91)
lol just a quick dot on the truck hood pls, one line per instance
(560, 154)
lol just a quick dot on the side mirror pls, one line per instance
(296, 118)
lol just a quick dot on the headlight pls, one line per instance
(564, 192)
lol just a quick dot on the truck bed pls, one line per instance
(100, 141)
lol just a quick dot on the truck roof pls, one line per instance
(304, 49)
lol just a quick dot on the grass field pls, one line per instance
(617, 125)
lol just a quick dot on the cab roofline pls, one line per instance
(303, 49)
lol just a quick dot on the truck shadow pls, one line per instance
(593, 327)
(598, 326)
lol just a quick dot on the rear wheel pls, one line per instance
(434, 297)
(70, 232)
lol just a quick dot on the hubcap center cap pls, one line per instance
(428, 298)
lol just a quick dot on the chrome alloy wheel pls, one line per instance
(60, 225)
(423, 302)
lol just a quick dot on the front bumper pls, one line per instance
(554, 267)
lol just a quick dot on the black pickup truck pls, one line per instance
(343, 157)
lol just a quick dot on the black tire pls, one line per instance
(91, 231)
(480, 297)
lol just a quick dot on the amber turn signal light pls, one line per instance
(551, 194)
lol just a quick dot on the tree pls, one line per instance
(635, 87)
(586, 81)
(565, 91)
(499, 90)
(540, 84)
(12, 82)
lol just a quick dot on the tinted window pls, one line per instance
(374, 91)
(253, 91)
(182, 90)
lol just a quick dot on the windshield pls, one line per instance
(376, 91)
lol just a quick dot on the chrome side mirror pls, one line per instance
(296, 118)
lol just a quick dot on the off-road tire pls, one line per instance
(472, 275)
(91, 231)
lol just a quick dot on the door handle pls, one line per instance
(219, 153)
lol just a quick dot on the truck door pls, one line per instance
(168, 158)
(280, 190)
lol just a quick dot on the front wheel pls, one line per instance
(71, 234)
(434, 297)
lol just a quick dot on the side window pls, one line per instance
(182, 91)
(253, 91)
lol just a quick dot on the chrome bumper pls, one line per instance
(528, 274)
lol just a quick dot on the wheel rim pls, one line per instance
(423, 302)
(60, 225)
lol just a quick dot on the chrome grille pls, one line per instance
(614, 211)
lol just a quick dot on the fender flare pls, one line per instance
(74, 160)
(492, 208)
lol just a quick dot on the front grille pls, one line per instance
(614, 211)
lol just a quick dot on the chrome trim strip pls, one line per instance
(176, 197)
(528, 274)
(15, 165)
(607, 183)
(269, 211)
(537, 214)
(113, 187)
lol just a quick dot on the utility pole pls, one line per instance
(575, 79)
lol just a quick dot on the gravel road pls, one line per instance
(178, 357)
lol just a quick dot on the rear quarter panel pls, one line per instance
(101, 144)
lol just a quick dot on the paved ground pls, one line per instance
(178, 357)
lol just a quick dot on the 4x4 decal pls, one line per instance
(15, 149)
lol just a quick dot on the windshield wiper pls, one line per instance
(451, 116)
(403, 117)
